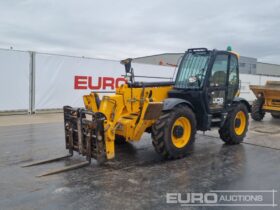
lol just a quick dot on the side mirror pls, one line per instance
(127, 67)
(127, 64)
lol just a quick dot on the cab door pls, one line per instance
(217, 85)
(233, 79)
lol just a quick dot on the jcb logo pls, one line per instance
(102, 83)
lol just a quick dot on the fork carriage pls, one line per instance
(84, 132)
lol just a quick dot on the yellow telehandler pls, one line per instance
(203, 95)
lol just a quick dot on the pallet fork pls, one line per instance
(83, 134)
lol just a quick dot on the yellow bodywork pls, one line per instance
(271, 94)
(129, 112)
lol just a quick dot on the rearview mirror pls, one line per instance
(127, 67)
(127, 64)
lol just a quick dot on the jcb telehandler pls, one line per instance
(202, 96)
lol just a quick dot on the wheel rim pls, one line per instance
(181, 132)
(240, 123)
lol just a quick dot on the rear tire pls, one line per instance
(257, 112)
(236, 125)
(275, 115)
(174, 132)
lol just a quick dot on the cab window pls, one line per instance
(219, 71)
(233, 79)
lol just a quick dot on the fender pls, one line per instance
(242, 100)
(170, 103)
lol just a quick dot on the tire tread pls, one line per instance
(159, 131)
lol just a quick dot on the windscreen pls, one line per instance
(192, 70)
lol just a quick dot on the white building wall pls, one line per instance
(14, 80)
(268, 69)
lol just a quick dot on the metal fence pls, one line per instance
(33, 82)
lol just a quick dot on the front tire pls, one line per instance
(174, 132)
(236, 125)
(257, 112)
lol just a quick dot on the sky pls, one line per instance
(117, 29)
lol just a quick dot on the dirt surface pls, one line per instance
(138, 178)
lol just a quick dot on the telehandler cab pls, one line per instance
(203, 95)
